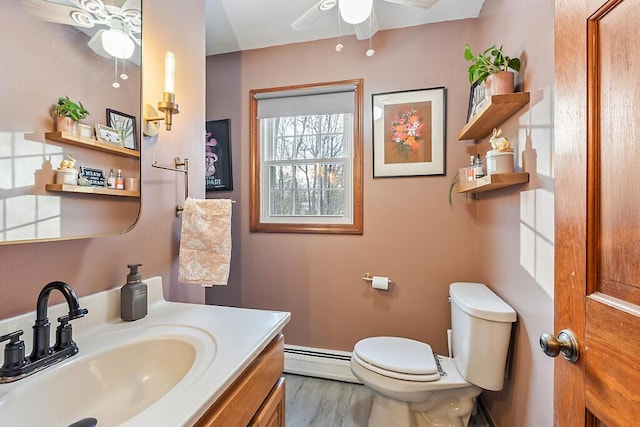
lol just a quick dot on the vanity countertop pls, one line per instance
(229, 337)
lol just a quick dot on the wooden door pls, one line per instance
(597, 166)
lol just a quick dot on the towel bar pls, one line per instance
(185, 170)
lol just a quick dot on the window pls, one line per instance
(306, 158)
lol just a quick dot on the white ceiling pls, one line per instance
(234, 25)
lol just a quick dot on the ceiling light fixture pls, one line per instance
(121, 23)
(355, 11)
(116, 42)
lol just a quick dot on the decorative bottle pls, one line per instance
(119, 181)
(111, 181)
(470, 174)
(478, 168)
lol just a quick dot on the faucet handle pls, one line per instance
(13, 336)
(13, 353)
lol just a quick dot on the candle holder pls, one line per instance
(169, 107)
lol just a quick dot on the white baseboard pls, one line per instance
(318, 362)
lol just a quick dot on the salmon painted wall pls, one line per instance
(515, 227)
(410, 232)
(93, 265)
(504, 239)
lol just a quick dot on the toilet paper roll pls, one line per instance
(380, 282)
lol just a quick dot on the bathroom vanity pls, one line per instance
(181, 365)
(257, 397)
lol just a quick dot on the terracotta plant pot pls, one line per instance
(499, 83)
(66, 124)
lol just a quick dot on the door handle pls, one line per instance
(566, 343)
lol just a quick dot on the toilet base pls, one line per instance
(387, 412)
(443, 408)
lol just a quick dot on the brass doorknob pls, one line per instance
(566, 343)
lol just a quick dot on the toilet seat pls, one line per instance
(395, 357)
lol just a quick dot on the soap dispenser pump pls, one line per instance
(133, 296)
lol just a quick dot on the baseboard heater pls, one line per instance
(318, 362)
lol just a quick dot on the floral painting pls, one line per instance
(409, 133)
(409, 138)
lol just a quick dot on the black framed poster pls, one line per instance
(218, 175)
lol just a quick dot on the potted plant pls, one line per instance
(68, 113)
(493, 68)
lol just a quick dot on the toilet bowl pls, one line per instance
(414, 387)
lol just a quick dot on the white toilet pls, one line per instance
(414, 387)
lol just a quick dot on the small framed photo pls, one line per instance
(108, 135)
(409, 133)
(477, 99)
(126, 124)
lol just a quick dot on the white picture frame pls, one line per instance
(108, 135)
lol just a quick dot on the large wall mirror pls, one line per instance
(89, 51)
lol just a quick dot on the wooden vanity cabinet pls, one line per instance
(257, 397)
(271, 413)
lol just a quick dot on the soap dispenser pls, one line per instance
(133, 296)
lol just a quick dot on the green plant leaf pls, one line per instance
(468, 55)
(490, 61)
(453, 184)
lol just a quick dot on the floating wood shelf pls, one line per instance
(493, 182)
(493, 113)
(66, 188)
(91, 143)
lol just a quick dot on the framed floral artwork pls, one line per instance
(409, 133)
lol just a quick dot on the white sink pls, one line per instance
(164, 370)
(112, 384)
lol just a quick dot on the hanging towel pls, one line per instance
(205, 244)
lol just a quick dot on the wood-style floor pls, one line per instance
(316, 402)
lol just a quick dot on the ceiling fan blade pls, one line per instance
(308, 18)
(362, 29)
(52, 12)
(422, 4)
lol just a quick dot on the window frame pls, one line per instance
(255, 171)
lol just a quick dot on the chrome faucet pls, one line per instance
(16, 365)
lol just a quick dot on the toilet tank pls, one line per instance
(481, 330)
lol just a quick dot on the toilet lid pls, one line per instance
(394, 355)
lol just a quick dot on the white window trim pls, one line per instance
(346, 161)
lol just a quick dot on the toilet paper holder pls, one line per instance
(369, 278)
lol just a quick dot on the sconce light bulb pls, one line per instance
(339, 47)
(124, 76)
(169, 72)
(115, 85)
(370, 52)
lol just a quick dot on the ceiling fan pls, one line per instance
(115, 26)
(360, 13)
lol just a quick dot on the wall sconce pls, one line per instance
(168, 104)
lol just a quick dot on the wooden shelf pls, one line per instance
(94, 144)
(493, 182)
(66, 188)
(495, 111)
